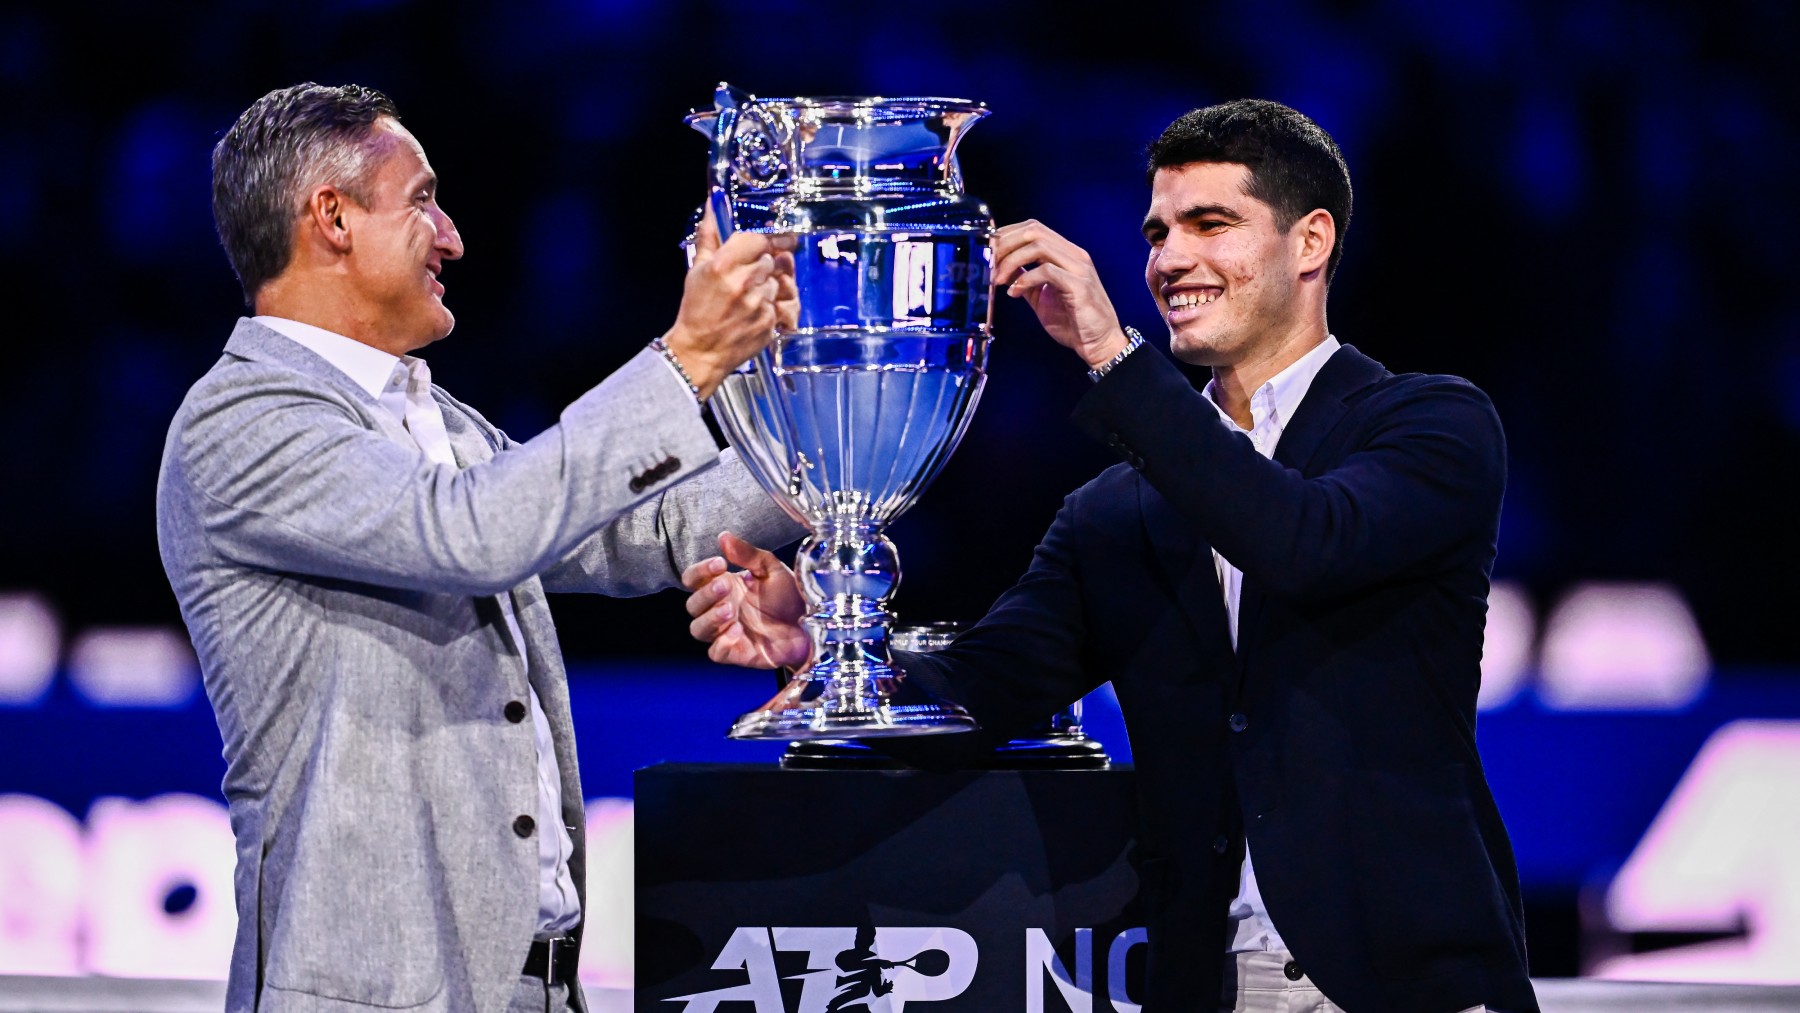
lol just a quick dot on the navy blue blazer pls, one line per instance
(1339, 737)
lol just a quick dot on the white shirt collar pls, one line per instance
(371, 368)
(1284, 391)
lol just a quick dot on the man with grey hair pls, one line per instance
(361, 562)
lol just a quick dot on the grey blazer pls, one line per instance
(341, 591)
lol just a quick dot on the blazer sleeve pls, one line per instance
(1027, 658)
(646, 548)
(1425, 473)
(286, 475)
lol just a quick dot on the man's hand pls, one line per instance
(1057, 278)
(750, 618)
(735, 298)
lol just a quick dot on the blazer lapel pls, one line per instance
(467, 442)
(1345, 373)
(251, 340)
(1301, 447)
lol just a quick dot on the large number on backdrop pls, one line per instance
(1721, 854)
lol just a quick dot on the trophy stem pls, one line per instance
(849, 569)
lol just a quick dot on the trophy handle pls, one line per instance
(749, 145)
(726, 100)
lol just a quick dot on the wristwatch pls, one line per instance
(1130, 346)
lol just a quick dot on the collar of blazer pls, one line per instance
(1185, 556)
(252, 341)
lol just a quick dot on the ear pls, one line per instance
(326, 217)
(1316, 235)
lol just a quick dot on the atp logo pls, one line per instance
(875, 969)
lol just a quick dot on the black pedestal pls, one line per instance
(803, 891)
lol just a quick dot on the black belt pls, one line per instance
(552, 960)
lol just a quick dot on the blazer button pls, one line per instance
(1239, 722)
(1292, 970)
(636, 484)
(1221, 844)
(515, 711)
(524, 825)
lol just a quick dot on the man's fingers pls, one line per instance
(706, 234)
(745, 247)
(709, 595)
(1067, 256)
(1007, 268)
(724, 653)
(709, 626)
(1009, 238)
(746, 277)
(695, 577)
(1038, 277)
(741, 553)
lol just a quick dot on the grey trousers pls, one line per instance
(534, 995)
(1260, 983)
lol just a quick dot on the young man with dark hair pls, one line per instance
(361, 562)
(1286, 583)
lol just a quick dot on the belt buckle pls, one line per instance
(552, 947)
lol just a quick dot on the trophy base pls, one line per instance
(1055, 752)
(801, 712)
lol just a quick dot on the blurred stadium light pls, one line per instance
(1506, 653)
(1623, 647)
(148, 666)
(30, 644)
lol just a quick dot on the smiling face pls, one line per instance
(1226, 278)
(400, 239)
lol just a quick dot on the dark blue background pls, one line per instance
(1584, 206)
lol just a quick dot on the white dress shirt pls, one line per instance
(1272, 407)
(402, 384)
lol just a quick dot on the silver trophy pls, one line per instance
(1058, 743)
(846, 419)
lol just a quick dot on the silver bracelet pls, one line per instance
(1130, 346)
(668, 353)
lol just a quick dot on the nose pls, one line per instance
(449, 241)
(1174, 258)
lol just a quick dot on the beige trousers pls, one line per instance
(1271, 982)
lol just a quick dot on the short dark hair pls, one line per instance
(286, 143)
(1295, 166)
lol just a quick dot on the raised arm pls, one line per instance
(282, 468)
(286, 474)
(1427, 474)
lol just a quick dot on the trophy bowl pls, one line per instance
(847, 418)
